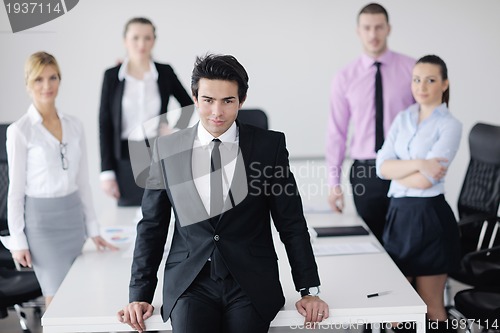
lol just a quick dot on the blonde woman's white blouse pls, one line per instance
(42, 167)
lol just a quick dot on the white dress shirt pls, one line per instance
(201, 157)
(141, 102)
(36, 170)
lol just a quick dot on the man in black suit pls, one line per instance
(224, 180)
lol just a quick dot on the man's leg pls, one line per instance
(370, 199)
(210, 306)
(199, 309)
(370, 196)
(240, 316)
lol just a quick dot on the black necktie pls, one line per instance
(379, 109)
(218, 267)
(216, 198)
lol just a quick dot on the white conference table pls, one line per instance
(96, 287)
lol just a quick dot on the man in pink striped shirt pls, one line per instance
(353, 100)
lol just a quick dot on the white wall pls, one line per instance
(291, 49)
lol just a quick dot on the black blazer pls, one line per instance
(243, 233)
(110, 112)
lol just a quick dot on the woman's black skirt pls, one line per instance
(421, 236)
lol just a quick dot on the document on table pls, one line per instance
(344, 248)
(119, 234)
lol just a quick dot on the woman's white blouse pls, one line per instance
(42, 167)
(141, 104)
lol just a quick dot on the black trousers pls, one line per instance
(370, 195)
(130, 193)
(220, 306)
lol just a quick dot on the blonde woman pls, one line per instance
(50, 210)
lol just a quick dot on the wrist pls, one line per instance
(107, 175)
(419, 165)
(311, 291)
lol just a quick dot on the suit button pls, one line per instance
(216, 238)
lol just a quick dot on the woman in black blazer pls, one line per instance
(133, 93)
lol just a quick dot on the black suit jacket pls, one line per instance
(110, 112)
(243, 233)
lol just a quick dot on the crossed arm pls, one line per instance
(426, 171)
(412, 173)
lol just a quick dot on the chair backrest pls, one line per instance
(255, 117)
(480, 192)
(4, 181)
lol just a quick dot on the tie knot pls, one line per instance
(216, 142)
(376, 63)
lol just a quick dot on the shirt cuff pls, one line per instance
(378, 166)
(430, 179)
(334, 179)
(92, 228)
(16, 242)
(107, 175)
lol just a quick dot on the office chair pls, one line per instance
(481, 305)
(479, 223)
(16, 287)
(5, 256)
(255, 117)
(480, 196)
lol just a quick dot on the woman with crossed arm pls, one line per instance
(421, 234)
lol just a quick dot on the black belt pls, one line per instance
(365, 162)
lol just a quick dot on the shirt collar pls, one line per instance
(35, 116)
(385, 58)
(122, 72)
(441, 110)
(229, 137)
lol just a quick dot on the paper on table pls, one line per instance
(344, 248)
(119, 234)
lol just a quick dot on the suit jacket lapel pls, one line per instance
(188, 203)
(117, 110)
(246, 143)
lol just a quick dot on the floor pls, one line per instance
(11, 323)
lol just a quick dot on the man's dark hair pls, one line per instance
(219, 67)
(374, 8)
